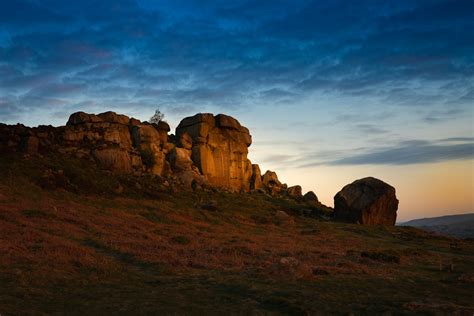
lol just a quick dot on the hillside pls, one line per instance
(78, 239)
(461, 225)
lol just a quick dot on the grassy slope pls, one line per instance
(149, 250)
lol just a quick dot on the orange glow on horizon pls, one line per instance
(424, 190)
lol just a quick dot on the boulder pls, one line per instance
(134, 121)
(271, 183)
(145, 135)
(311, 198)
(270, 179)
(219, 147)
(198, 119)
(225, 121)
(295, 191)
(367, 201)
(112, 117)
(163, 126)
(81, 118)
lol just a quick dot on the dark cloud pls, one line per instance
(19, 12)
(240, 53)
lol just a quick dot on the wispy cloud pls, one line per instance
(403, 153)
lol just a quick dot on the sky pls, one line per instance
(331, 90)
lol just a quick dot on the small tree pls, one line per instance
(157, 117)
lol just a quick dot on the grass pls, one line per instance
(35, 214)
(68, 248)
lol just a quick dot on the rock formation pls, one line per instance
(256, 179)
(219, 147)
(295, 191)
(367, 201)
(207, 150)
(310, 197)
(271, 183)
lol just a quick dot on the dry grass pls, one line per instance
(165, 242)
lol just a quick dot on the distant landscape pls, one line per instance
(461, 225)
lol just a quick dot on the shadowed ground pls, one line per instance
(77, 245)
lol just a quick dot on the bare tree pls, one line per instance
(157, 117)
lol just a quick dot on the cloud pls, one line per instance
(20, 12)
(405, 153)
(242, 53)
(277, 158)
(458, 139)
(370, 129)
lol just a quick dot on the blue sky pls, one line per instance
(323, 85)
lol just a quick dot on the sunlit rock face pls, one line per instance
(117, 142)
(219, 149)
(104, 137)
(368, 201)
(207, 150)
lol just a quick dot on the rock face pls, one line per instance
(219, 146)
(367, 201)
(256, 179)
(207, 150)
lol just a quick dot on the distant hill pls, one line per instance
(461, 225)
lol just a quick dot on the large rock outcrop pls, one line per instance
(207, 150)
(219, 146)
(367, 201)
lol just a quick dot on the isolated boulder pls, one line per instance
(367, 201)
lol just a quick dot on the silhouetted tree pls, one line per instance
(157, 117)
